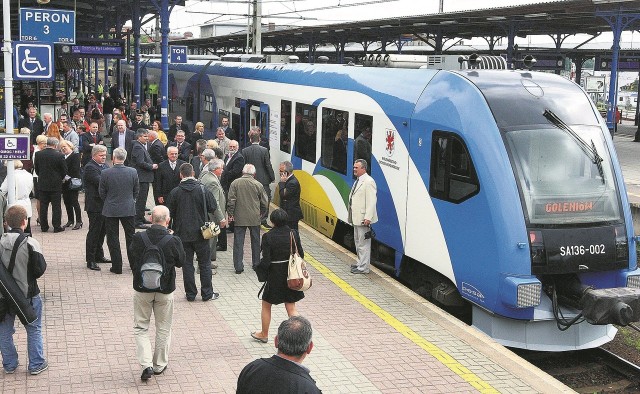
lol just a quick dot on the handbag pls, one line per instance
(262, 270)
(209, 229)
(75, 184)
(14, 298)
(298, 277)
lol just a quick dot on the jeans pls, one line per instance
(35, 347)
(201, 249)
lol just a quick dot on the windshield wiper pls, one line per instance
(590, 151)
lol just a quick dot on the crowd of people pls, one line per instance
(193, 182)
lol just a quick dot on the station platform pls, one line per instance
(371, 335)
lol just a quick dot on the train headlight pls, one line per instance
(538, 252)
(521, 292)
(633, 281)
(622, 244)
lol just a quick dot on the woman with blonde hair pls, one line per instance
(70, 196)
(23, 183)
(157, 127)
(213, 145)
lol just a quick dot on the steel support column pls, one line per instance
(579, 60)
(618, 21)
(511, 30)
(135, 25)
(164, 11)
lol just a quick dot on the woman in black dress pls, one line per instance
(70, 197)
(275, 248)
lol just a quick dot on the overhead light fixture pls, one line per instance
(338, 30)
(609, 1)
(539, 15)
(385, 26)
(448, 22)
(43, 1)
(365, 28)
(496, 18)
(420, 24)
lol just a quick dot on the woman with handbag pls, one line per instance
(276, 249)
(23, 188)
(71, 185)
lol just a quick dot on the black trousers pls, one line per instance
(201, 249)
(293, 225)
(95, 237)
(113, 237)
(71, 204)
(53, 198)
(141, 202)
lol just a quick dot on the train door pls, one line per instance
(264, 122)
(243, 127)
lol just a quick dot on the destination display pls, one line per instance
(627, 63)
(114, 49)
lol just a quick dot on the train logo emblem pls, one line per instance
(391, 134)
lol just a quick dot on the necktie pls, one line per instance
(179, 145)
(173, 165)
(94, 138)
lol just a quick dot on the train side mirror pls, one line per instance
(529, 61)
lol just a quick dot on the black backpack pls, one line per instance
(151, 270)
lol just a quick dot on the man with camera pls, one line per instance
(362, 214)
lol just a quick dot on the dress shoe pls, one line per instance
(116, 271)
(190, 299)
(146, 374)
(93, 266)
(103, 260)
(44, 229)
(78, 226)
(69, 224)
(357, 271)
(220, 249)
(215, 296)
(239, 271)
(58, 229)
(214, 266)
(354, 266)
(160, 372)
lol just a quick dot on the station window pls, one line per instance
(453, 176)
(362, 142)
(285, 126)
(208, 103)
(306, 131)
(335, 134)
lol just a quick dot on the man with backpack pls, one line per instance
(153, 256)
(23, 258)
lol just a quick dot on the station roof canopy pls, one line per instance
(560, 17)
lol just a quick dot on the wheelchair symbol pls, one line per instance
(32, 62)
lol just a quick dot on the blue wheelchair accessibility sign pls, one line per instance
(34, 61)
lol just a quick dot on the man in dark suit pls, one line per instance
(228, 131)
(33, 123)
(88, 141)
(141, 161)
(51, 169)
(119, 189)
(175, 127)
(158, 155)
(197, 164)
(138, 122)
(289, 190)
(184, 148)
(122, 137)
(168, 174)
(270, 375)
(233, 164)
(259, 157)
(93, 204)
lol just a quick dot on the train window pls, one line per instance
(208, 103)
(285, 126)
(306, 131)
(362, 135)
(335, 133)
(453, 176)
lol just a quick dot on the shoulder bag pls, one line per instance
(210, 229)
(12, 295)
(298, 278)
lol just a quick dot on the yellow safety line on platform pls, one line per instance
(414, 337)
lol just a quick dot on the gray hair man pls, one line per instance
(246, 204)
(212, 183)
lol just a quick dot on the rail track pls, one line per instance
(588, 371)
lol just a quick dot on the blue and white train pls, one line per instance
(499, 190)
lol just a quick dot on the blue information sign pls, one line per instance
(33, 61)
(14, 147)
(178, 54)
(47, 25)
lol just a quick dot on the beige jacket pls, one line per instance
(363, 200)
(246, 201)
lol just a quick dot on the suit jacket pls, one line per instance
(224, 145)
(247, 201)
(362, 201)
(167, 179)
(171, 134)
(141, 161)
(259, 157)
(184, 152)
(86, 140)
(73, 168)
(36, 129)
(230, 133)
(196, 163)
(275, 375)
(289, 192)
(129, 137)
(212, 183)
(119, 189)
(91, 181)
(232, 170)
(157, 151)
(51, 169)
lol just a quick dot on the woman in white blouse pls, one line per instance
(23, 188)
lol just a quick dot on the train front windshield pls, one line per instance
(564, 173)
